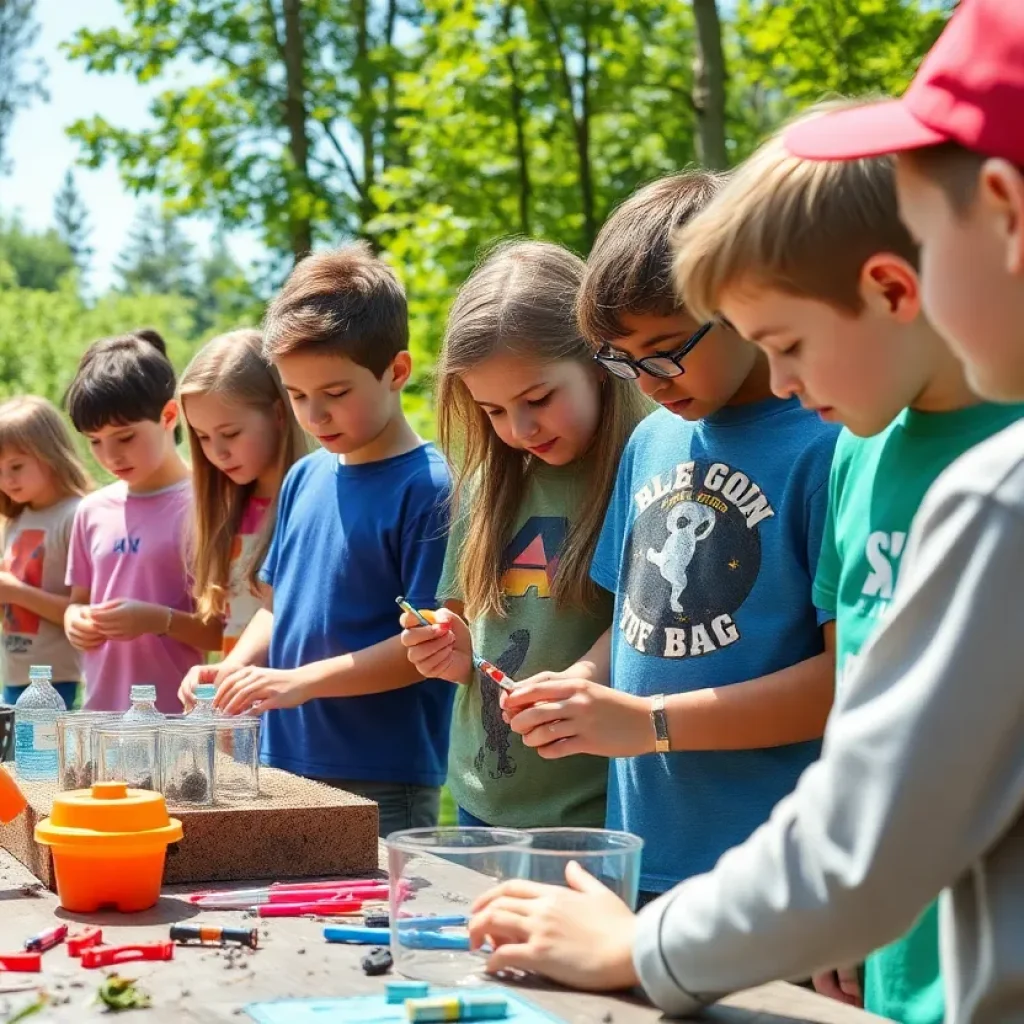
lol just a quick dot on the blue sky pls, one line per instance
(41, 152)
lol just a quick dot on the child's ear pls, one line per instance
(401, 371)
(889, 285)
(1001, 195)
(169, 415)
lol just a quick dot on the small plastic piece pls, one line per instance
(105, 956)
(377, 961)
(29, 962)
(452, 1008)
(87, 938)
(47, 939)
(377, 919)
(399, 991)
(210, 934)
(323, 907)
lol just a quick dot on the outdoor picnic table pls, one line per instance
(209, 985)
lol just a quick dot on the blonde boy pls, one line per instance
(921, 781)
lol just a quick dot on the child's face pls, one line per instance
(25, 479)
(853, 369)
(135, 452)
(972, 271)
(549, 409)
(342, 404)
(714, 370)
(239, 440)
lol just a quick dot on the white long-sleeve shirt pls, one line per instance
(919, 789)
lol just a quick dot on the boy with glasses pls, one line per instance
(721, 667)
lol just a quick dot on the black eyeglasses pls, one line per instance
(661, 364)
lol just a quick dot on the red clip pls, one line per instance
(29, 962)
(83, 940)
(104, 956)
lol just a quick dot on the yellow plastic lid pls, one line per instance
(12, 800)
(110, 812)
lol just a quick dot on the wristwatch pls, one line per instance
(660, 723)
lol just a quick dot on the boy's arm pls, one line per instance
(851, 857)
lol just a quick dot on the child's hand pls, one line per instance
(81, 632)
(842, 984)
(9, 584)
(124, 619)
(198, 674)
(442, 651)
(256, 689)
(581, 936)
(563, 716)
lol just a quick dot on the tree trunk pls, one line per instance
(365, 112)
(519, 121)
(709, 86)
(300, 227)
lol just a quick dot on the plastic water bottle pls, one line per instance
(35, 726)
(143, 707)
(204, 695)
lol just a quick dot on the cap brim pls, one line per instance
(873, 130)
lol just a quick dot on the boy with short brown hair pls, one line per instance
(358, 523)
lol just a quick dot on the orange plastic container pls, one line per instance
(109, 845)
(12, 800)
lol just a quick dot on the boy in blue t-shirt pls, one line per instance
(721, 667)
(358, 523)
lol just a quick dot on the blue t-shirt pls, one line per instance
(348, 540)
(710, 544)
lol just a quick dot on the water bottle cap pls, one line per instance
(205, 691)
(143, 692)
(40, 672)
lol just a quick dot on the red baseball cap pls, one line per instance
(969, 90)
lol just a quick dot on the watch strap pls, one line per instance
(660, 723)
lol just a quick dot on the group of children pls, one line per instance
(681, 593)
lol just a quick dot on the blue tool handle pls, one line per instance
(413, 939)
(425, 923)
(354, 934)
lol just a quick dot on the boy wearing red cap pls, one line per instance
(920, 786)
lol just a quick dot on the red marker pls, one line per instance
(47, 940)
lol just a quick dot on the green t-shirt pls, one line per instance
(491, 773)
(875, 488)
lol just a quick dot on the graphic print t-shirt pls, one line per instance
(36, 551)
(491, 773)
(242, 603)
(876, 486)
(710, 545)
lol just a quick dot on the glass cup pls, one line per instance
(186, 761)
(127, 752)
(237, 759)
(613, 858)
(435, 875)
(76, 746)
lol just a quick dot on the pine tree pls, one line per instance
(72, 221)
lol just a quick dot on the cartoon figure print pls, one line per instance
(687, 524)
(498, 734)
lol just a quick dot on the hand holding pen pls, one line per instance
(443, 649)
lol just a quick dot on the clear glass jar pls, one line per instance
(186, 756)
(237, 767)
(128, 752)
(76, 746)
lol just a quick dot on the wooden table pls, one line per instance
(204, 985)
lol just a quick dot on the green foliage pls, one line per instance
(21, 78)
(71, 219)
(38, 260)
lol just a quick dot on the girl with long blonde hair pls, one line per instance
(243, 439)
(42, 481)
(535, 428)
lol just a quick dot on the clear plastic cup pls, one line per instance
(436, 874)
(76, 751)
(186, 761)
(613, 858)
(127, 752)
(237, 760)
